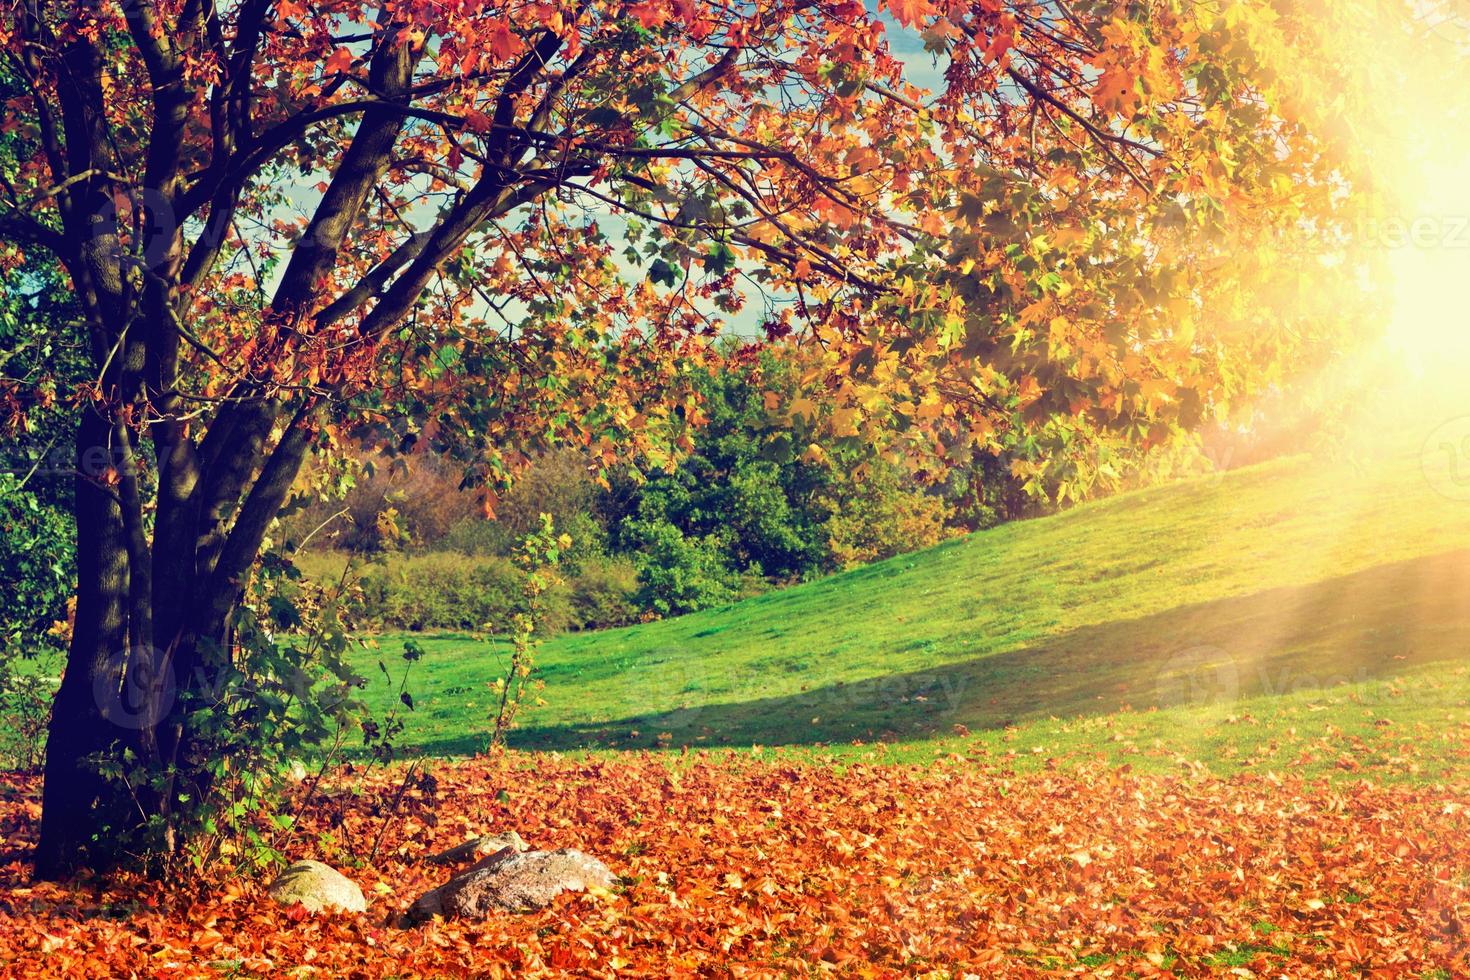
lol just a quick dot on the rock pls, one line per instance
(318, 887)
(481, 847)
(512, 882)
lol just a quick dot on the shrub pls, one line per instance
(604, 593)
(877, 517)
(36, 553)
(440, 590)
(678, 574)
(558, 484)
(25, 712)
(537, 557)
(422, 493)
(477, 536)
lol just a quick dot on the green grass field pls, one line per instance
(1303, 615)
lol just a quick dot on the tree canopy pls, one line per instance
(479, 228)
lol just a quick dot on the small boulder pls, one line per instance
(512, 882)
(481, 847)
(317, 887)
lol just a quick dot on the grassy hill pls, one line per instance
(1264, 618)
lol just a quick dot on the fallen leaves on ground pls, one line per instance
(738, 867)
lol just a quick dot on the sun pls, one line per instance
(1429, 260)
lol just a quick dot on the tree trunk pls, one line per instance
(77, 800)
(127, 687)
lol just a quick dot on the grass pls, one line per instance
(1302, 616)
(1294, 615)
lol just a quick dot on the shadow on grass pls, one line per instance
(1372, 624)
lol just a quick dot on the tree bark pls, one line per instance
(76, 799)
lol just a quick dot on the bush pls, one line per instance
(557, 483)
(678, 574)
(877, 517)
(25, 712)
(477, 536)
(440, 590)
(745, 491)
(604, 593)
(36, 553)
(422, 493)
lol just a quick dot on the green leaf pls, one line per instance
(663, 273)
(720, 259)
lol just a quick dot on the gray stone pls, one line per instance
(481, 847)
(317, 887)
(512, 882)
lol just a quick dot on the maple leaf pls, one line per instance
(652, 14)
(910, 12)
(340, 60)
(1116, 89)
(502, 43)
(288, 10)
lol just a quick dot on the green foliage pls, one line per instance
(440, 590)
(449, 590)
(678, 573)
(743, 509)
(537, 557)
(745, 505)
(36, 543)
(742, 500)
(604, 592)
(877, 517)
(25, 711)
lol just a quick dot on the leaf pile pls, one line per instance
(737, 866)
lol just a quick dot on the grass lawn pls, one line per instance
(1303, 614)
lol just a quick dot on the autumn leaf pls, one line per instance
(910, 12)
(1115, 90)
(863, 857)
(502, 43)
(340, 60)
(652, 14)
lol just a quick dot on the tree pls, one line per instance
(479, 228)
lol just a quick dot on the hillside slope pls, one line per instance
(1260, 590)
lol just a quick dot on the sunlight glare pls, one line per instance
(1430, 265)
